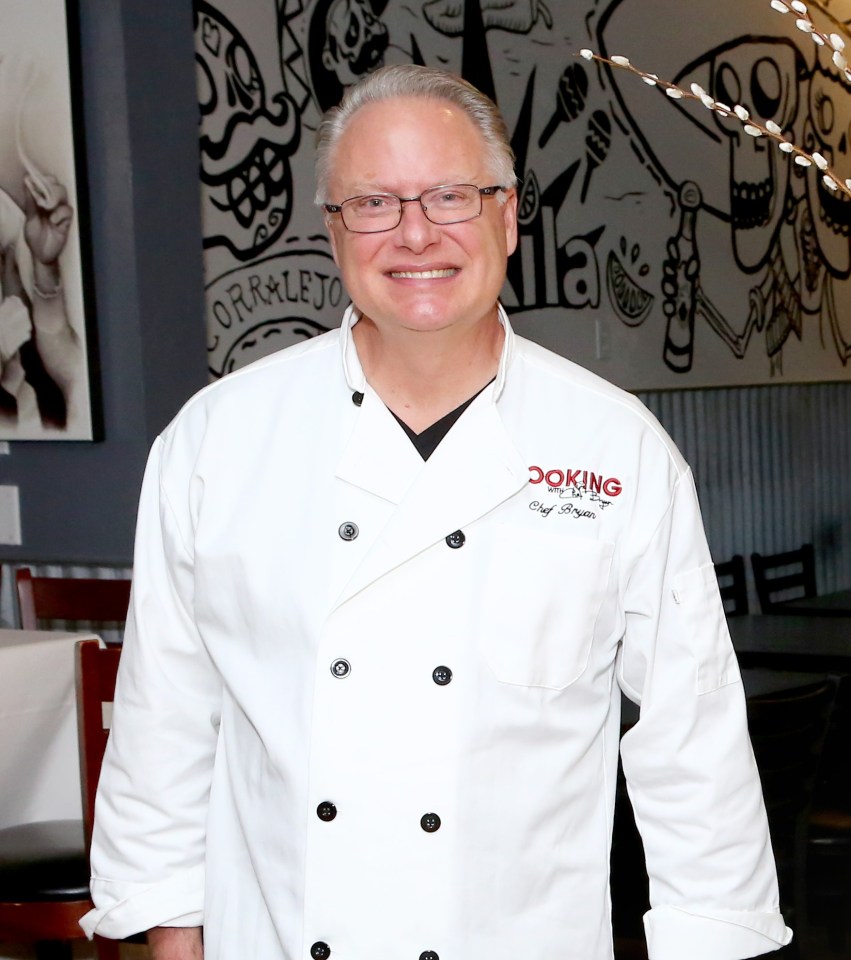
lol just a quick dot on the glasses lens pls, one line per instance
(380, 211)
(452, 204)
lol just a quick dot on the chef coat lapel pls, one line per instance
(378, 457)
(474, 469)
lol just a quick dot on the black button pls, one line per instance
(341, 668)
(357, 398)
(348, 531)
(326, 811)
(429, 955)
(455, 540)
(320, 950)
(430, 822)
(441, 676)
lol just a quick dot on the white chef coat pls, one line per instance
(288, 763)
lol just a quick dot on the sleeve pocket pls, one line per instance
(699, 600)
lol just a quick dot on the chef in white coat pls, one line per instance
(389, 585)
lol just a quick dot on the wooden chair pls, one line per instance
(70, 598)
(44, 867)
(782, 577)
(787, 732)
(733, 584)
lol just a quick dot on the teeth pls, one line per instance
(422, 274)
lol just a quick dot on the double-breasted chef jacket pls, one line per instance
(368, 706)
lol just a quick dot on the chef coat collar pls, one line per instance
(353, 371)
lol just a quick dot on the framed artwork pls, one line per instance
(47, 335)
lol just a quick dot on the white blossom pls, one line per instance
(707, 101)
(620, 61)
(819, 161)
(798, 6)
(829, 182)
(787, 147)
(818, 39)
(698, 90)
(837, 42)
(779, 6)
(804, 26)
(741, 113)
(772, 127)
(674, 93)
(839, 60)
(650, 78)
(848, 183)
(752, 131)
(803, 161)
(586, 54)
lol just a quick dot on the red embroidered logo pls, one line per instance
(580, 479)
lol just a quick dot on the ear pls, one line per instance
(509, 216)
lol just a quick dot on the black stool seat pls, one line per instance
(43, 861)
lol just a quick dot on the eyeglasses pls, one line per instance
(377, 212)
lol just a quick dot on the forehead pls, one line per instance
(409, 140)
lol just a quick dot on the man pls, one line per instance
(388, 586)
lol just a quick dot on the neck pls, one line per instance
(423, 375)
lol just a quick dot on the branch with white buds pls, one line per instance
(750, 125)
(832, 41)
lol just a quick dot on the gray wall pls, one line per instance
(78, 500)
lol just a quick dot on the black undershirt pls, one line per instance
(427, 441)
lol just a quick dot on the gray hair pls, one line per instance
(413, 80)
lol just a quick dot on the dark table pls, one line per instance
(793, 642)
(827, 605)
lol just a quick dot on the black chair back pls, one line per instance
(733, 584)
(781, 577)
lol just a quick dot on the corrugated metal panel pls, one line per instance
(772, 466)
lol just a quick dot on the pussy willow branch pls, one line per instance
(751, 126)
(805, 24)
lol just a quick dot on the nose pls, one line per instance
(415, 230)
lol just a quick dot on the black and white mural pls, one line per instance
(659, 245)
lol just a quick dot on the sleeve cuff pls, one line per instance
(122, 909)
(712, 934)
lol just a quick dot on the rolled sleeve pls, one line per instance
(149, 836)
(688, 763)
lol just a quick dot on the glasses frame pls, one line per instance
(483, 192)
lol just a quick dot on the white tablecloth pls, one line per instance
(39, 761)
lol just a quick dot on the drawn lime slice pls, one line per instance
(631, 301)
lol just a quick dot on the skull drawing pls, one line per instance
(761, 76)
(827, 131)
(247, 138)
(355, 40)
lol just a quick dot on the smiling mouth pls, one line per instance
(422, 274)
